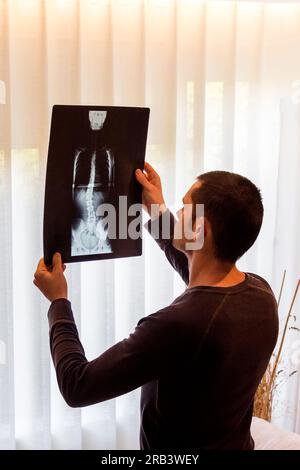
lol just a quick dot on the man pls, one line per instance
(199, 360)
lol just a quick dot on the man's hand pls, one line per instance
(152, 190)
(51, 280)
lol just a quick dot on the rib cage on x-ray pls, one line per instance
(93, 180)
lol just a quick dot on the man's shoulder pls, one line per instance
(260, 283)
(173, 315)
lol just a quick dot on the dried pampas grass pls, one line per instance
(264, 397)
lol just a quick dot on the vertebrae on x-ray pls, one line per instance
(88, 236)
(93, 179)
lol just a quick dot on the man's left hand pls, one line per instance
(51, 280)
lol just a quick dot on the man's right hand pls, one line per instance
(152, 190)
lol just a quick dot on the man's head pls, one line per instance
(233, 214)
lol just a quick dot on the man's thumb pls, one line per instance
(56, 262)
(142, 179)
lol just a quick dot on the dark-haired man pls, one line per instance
(199, 360)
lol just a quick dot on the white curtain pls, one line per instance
(222, 81)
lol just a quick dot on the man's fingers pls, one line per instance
(142, 179)
(150, 170)
(56, 262)
(41, 265)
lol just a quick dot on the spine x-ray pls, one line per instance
(93, 181)
(92, 156)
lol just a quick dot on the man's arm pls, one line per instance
(157, 346)
(162, 230)
(153, 199)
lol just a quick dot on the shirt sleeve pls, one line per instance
(156, 346)
(162, 230)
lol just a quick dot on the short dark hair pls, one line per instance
(234, 208)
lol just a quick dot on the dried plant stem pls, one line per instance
(263, 402)
(263, 397)
(281, 288)
(282, 337)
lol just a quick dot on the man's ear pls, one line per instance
(200, 228)
(198, 234)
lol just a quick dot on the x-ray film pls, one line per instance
(92, 207)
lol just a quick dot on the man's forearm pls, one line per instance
(123, 367)
(66, 349)
(161, 229)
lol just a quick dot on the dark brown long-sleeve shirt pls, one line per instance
(198, 360)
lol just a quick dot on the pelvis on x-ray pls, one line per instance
(93, 181)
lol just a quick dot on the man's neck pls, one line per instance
(206, 270)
